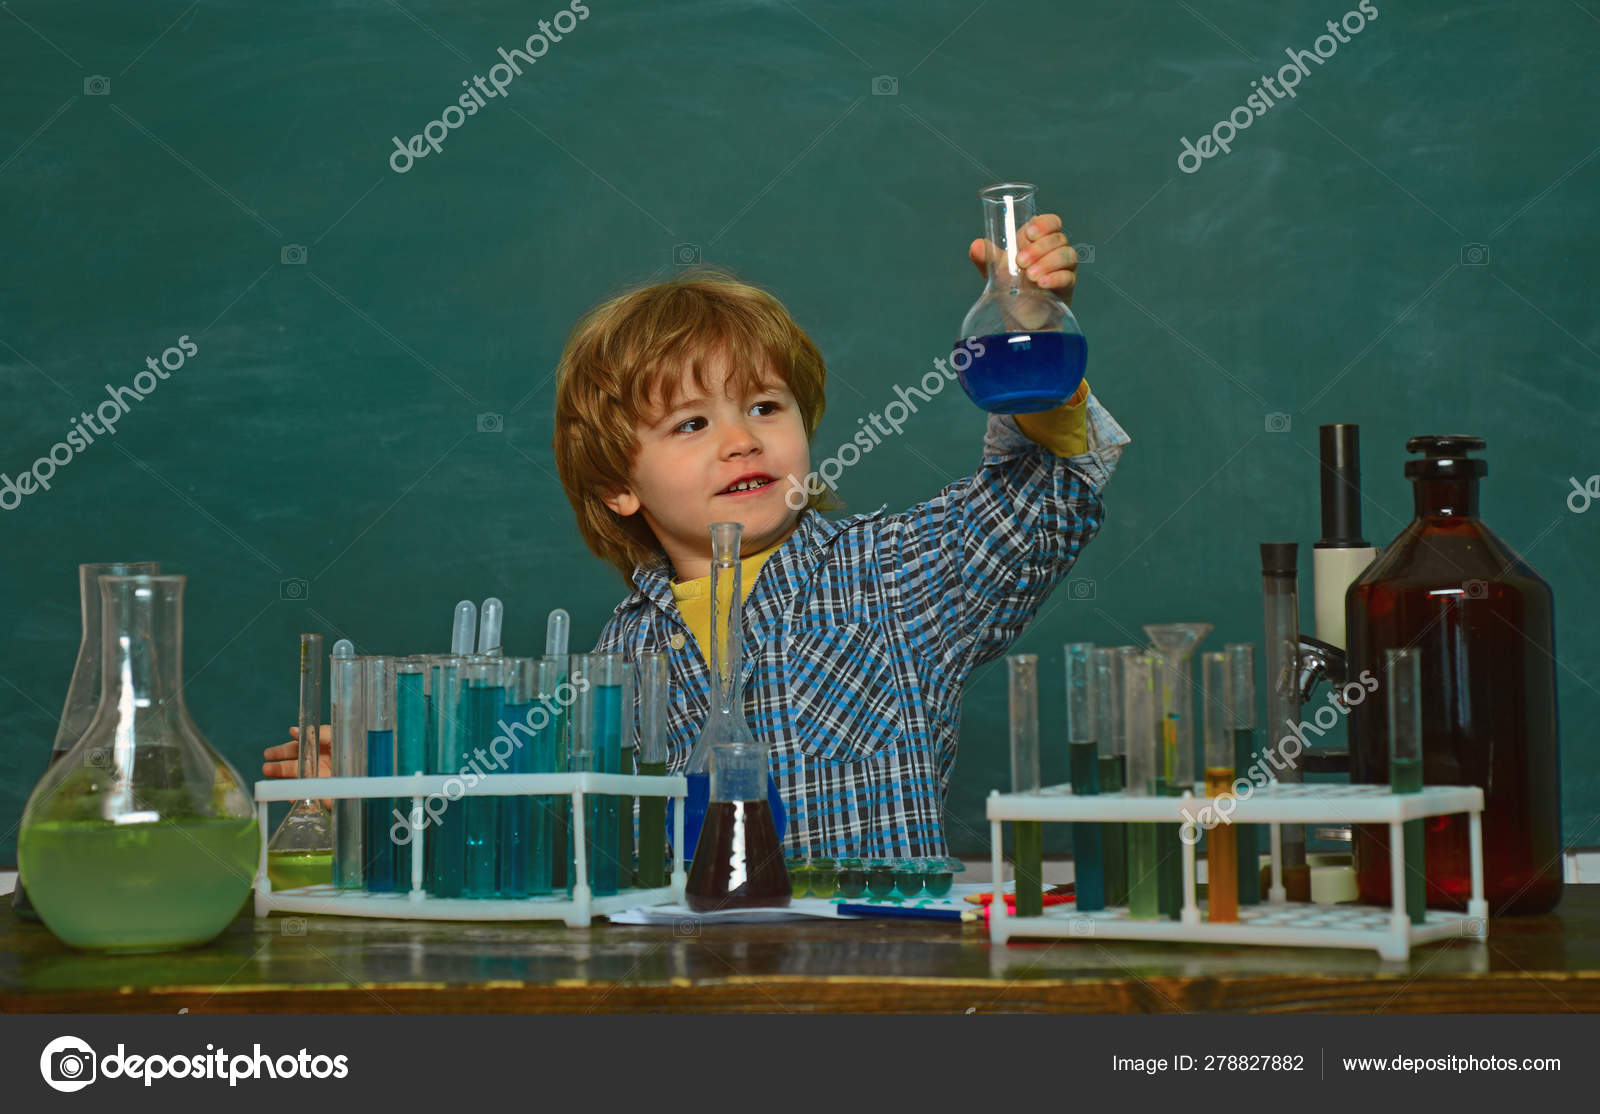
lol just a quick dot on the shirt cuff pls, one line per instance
(1063, 430)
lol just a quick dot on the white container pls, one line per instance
(1275, 921)
(578, 910)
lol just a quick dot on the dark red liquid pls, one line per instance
(738, 862)
(1482, 621)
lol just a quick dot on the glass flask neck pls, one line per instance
(1456, 497)
(1007, 208)
(727, 607)
(141, 622)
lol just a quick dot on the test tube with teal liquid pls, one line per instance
(484, 697)
(558, 628)
(1402, 671)
(597, 737)
(447, 819)
(1088, 862)
(516, 836)
(1144, 756)
(378, 692)
(1113, 768)
(1027, 835)
(1242, 672)
(627, 722)
(411, 752)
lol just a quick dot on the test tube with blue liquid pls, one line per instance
(527, 823)
(557, 631)
(378, 692)
(1088, 870)
(411, 754)
(447, 819)
(483, 696)
(349, 754)
(597, 746)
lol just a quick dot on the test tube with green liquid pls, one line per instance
(1088, 862)
(1113, 767)
(1242, 676)
(1222, 854)
(1144, 752)
(1027, 835)
(1402, 670)
(651, 678)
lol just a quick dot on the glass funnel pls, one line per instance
(737, 857)
(300, 852)
(1021, 350)
(142, 837)
(1176, 643)
(83, 693)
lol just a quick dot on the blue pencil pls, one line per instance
(910, 914)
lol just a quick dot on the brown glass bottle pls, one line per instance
(1482, 619)
(738, 862)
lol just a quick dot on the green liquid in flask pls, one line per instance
(139, 887)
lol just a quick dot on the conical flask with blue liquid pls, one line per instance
(1021, 350)
(726, 721)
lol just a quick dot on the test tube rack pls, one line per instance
(417, 904)
(1276, 921)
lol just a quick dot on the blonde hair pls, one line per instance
(627, 357)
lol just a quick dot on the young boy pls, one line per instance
(859, 633)
(694, 401)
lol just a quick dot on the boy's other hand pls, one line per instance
(1046, 257)
(283, 760)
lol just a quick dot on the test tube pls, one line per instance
(515, 731)
(448, 846)
(1028, 847)
(483, 700)
(1402, 670)
(651, 677)
(1144, 749)
(1113, 771)
(349, 754)
(411, 753)
(1242, 675)
(1222, 852)
(1280, 595)
(378, 688)
(601, 724)
(558, 627)
(625, 759)
(1088, 863)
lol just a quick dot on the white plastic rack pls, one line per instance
(1275, 921)
(417, 904)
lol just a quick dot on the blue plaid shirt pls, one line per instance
(860, 633)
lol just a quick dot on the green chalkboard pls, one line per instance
(362, 434)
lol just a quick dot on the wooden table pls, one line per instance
(336, 964)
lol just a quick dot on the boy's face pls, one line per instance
(693, 449)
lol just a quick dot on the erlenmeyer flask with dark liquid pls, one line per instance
(1481, 621)
(738, 861)
(83, 693)
(1021, 350)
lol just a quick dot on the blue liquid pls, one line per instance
(600, 824)
(549, 816)
(483, 707)
(447, 864)
(381, 849)
(1024, 373)
(411, 757)
(1088, 860)
(694, 811)
(516, 813)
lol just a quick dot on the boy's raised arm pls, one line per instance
(969, 568)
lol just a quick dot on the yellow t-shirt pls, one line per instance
(694, 597)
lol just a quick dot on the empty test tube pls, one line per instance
(349, 754)
(1088, 869)
(1027, 835)
(1402, 671)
